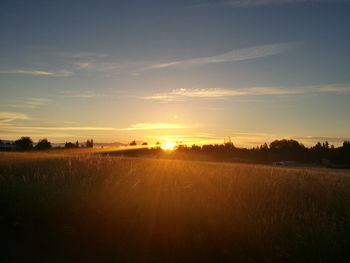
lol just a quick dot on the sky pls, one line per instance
(191, 71)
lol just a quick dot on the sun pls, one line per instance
(168, 146)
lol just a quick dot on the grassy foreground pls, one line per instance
(109, 209)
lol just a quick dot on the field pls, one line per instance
(57, 208)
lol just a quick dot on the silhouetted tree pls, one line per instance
(325, 145)
(145, 143)
(24, 144)
(287, 150)
(278, 150)
(133, 143)
(285, 145)
(345, 152)
(69, 145)
(43, 144)
(346, 144)
(321, 152)
(228, 144)
(264, 147)
(90, 143)
(76, 144)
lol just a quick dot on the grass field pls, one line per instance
(57, 208)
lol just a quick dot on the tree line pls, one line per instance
(282, 152)
(279, 152)
(27, 144)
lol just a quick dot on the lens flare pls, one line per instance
(168, 146)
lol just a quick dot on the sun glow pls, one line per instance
(168, 146)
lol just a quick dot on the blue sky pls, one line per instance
(191, 71)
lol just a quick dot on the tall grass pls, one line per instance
(108, 209)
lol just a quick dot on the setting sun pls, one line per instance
(157, 131)
(168, 146)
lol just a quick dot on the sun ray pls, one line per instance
(168, 146)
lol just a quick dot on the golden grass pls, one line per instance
(112, 209)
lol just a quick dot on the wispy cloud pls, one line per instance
(109, 66)
(12, 116)
(188, 94)
(31, 102)
(233, 55)
(83, 64)
(80, 94)
(58, 128)
(11, 130)
(154, 126)
(331, 88)
(100, 66)
(12, 134)
(61, 73)
(80, 54)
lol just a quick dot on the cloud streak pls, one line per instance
(135, 68)
(80, 94)
(154, 126)
(231, 56)
(99, 66)
(32, 103)
(190, 94)
(61, 73)
(109, 66)
(79, 54)
(12, 116)
(60, 128)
